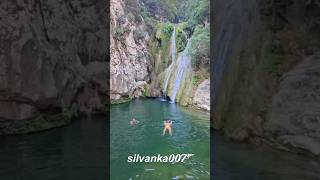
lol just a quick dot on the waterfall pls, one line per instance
(177, 70)
(173, 45)
(183, 63)
(173, 58)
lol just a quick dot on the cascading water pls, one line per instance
(173, 45)
(183, 63)
(173, 58)
(177, 70)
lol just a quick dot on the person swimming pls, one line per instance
(134, 122)
(167, 126)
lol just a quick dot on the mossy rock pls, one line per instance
(186, 90)
(163, 36)
(181, 40)
(146, 92)
(121, 101)
(164, 30)
(200, 51)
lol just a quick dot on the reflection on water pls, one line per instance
(76, 151)
(190, 135)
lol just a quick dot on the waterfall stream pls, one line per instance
(173, 58)
(173, 45)
(177, 70)
(183, 63)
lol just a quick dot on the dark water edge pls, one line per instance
(73, 152)
(237, 161)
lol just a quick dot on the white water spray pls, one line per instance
(183, 64)
(173, 58)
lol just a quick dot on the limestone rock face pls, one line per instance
(52, 57)
(295, 116)
(201, 98)
(129, 63)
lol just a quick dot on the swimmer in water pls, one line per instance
(167, 126)
(134, 122)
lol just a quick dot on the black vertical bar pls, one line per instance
(108, 85)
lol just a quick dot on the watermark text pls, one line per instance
(172, 158)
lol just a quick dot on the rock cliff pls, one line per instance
(53, 62)
(201, 97)
(130, 62)
(143, 43)
(266, 72)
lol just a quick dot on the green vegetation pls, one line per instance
(193, 13)
(164, 30)
(164, 8)
(195, 80)
(159, 17)
(191, 20)
(121, 101)
(146, 91)
(163, 35)
(200, 14)
(199, 76)
(200, 51)
(181, 39)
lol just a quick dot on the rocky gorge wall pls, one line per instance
(266, 72)
(53, 63)
(130, 62)
(140, 52)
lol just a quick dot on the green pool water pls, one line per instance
(191, 134)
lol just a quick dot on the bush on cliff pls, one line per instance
(200, 52)
(181, 39)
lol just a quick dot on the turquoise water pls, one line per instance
(190, 135)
